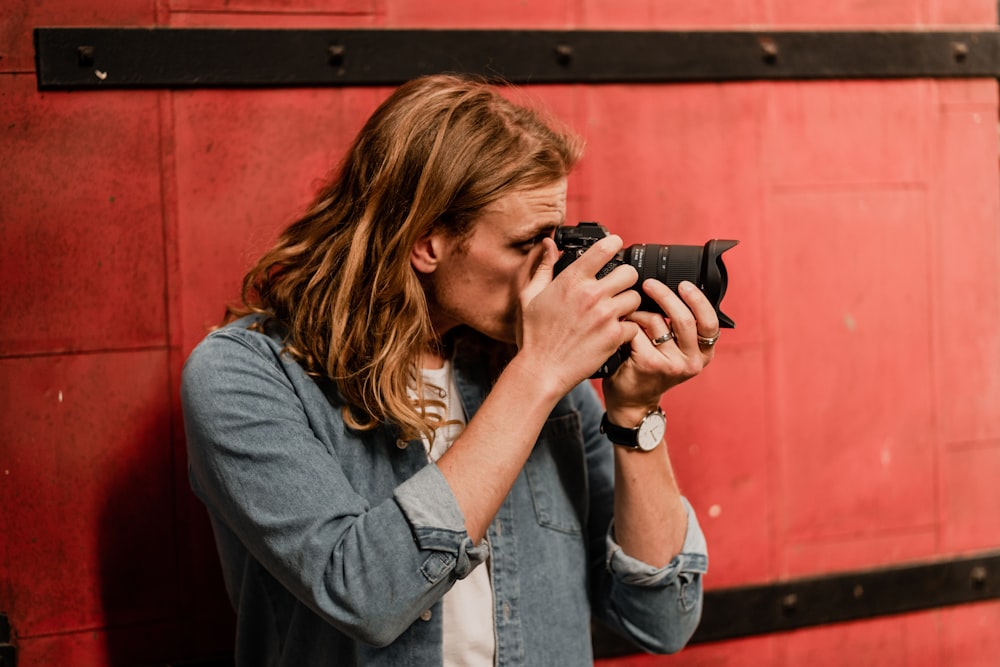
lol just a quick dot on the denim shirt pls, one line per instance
(337, 545)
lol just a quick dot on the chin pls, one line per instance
(502, 333)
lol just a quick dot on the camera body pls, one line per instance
(670, 264)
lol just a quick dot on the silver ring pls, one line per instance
(660, 340)
(710, 340)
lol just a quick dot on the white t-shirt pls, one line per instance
(469, 636)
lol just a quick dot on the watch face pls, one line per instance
(651, 431)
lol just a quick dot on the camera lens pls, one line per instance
(672, 264)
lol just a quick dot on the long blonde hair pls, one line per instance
(436, 152)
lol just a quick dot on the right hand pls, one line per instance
(570, 325)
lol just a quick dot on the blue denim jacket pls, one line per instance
(337, 545)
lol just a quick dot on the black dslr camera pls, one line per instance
(670, 264)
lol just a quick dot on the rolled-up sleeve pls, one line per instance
(660, 607)
(692, 559)
(438, 524)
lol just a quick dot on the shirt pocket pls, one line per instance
(557, 475)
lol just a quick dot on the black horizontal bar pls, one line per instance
(850, 596)
(93, 58)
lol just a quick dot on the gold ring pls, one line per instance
(709, 341)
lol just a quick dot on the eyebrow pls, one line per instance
(531, 232)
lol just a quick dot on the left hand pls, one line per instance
(639, 383)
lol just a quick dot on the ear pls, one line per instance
(426, 253)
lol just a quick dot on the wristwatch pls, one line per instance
(645, 437)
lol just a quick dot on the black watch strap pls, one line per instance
(620, 435)
(630, 437)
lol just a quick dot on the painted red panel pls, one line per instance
(671, 14)
(221, 19)
(839, 554)
(20, 17)
(248, 162)
(963, 13)
(275, 6)
(848, 133)
(970, 636)
(495, 14)
(86, 462)
(966, 208)
(970, 498)
(734, 653)
(678, 164)
(81, 212)
(894, 641)
(853, 411)
(714, 423)
(851, 13)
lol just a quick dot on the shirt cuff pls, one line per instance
(437, 522)
(692, 558)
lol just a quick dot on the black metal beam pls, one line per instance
(94, 58)
(8, 652)
(850, 596)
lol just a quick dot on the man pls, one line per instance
(395, 438)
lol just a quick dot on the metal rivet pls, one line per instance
(85, 55)
(789, 603)
(402, 444)
(768, 49)
(426, 616)
(859, 591)
(959, 51)
(564, 54)
(978, 576)
(336, 54)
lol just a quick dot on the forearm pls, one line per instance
(483, 463)
(650, 518)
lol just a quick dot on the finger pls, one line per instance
(624, 303)
(543, 272)
(623, 277)
(654, 324)
(596, 256)
(669, 302)
(701, 308)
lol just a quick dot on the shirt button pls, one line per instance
(402, 444)
(426, 616)
(506, 611)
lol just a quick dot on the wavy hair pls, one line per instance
(432, 156)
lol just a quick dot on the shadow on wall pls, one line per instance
(161, 585)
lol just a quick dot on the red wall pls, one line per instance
(850, 420)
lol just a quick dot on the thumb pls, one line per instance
(543, 272)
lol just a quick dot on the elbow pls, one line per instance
(679, 633)
(669, 630)
(374, 631)
(671, 639)
(372, 624)
(375, 636)
(678, 640)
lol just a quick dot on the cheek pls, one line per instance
(508, 269)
